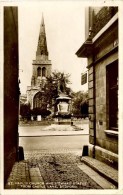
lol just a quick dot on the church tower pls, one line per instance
(41, 65)
(41, 68)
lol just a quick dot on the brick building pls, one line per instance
(11, 89)
(101, 50)
(41, 70)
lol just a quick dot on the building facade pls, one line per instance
(23, 98)
(101, 50)
(11, 89)
(41, 69)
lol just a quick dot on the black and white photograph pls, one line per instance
(61, 97)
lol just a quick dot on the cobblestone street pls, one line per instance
(50, 171)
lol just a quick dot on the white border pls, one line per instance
(65, 192)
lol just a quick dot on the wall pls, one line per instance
(105, 53)
(30, 95)
(11, 88)
(101, 49)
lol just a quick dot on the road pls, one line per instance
(54, 143)
(53, 138)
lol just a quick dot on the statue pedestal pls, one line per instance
(63, 113)
(63, 121)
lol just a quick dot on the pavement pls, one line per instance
(55, 171)
(103, 169)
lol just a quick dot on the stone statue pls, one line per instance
(61, 85)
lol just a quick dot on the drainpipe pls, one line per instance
(94, 89)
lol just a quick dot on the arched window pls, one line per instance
(38, 71)
(43, 72)
(37, 101)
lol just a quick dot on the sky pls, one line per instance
(65, 33)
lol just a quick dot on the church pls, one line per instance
(41, 68)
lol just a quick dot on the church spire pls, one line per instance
(42, 51)
(42, 23)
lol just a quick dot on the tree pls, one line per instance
(25, 111)
(52, 86)
(80, 103)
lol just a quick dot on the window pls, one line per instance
(112, 95)
(37, 101)
(43, 72)
(38, 71)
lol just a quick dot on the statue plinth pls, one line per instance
(63, 109)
